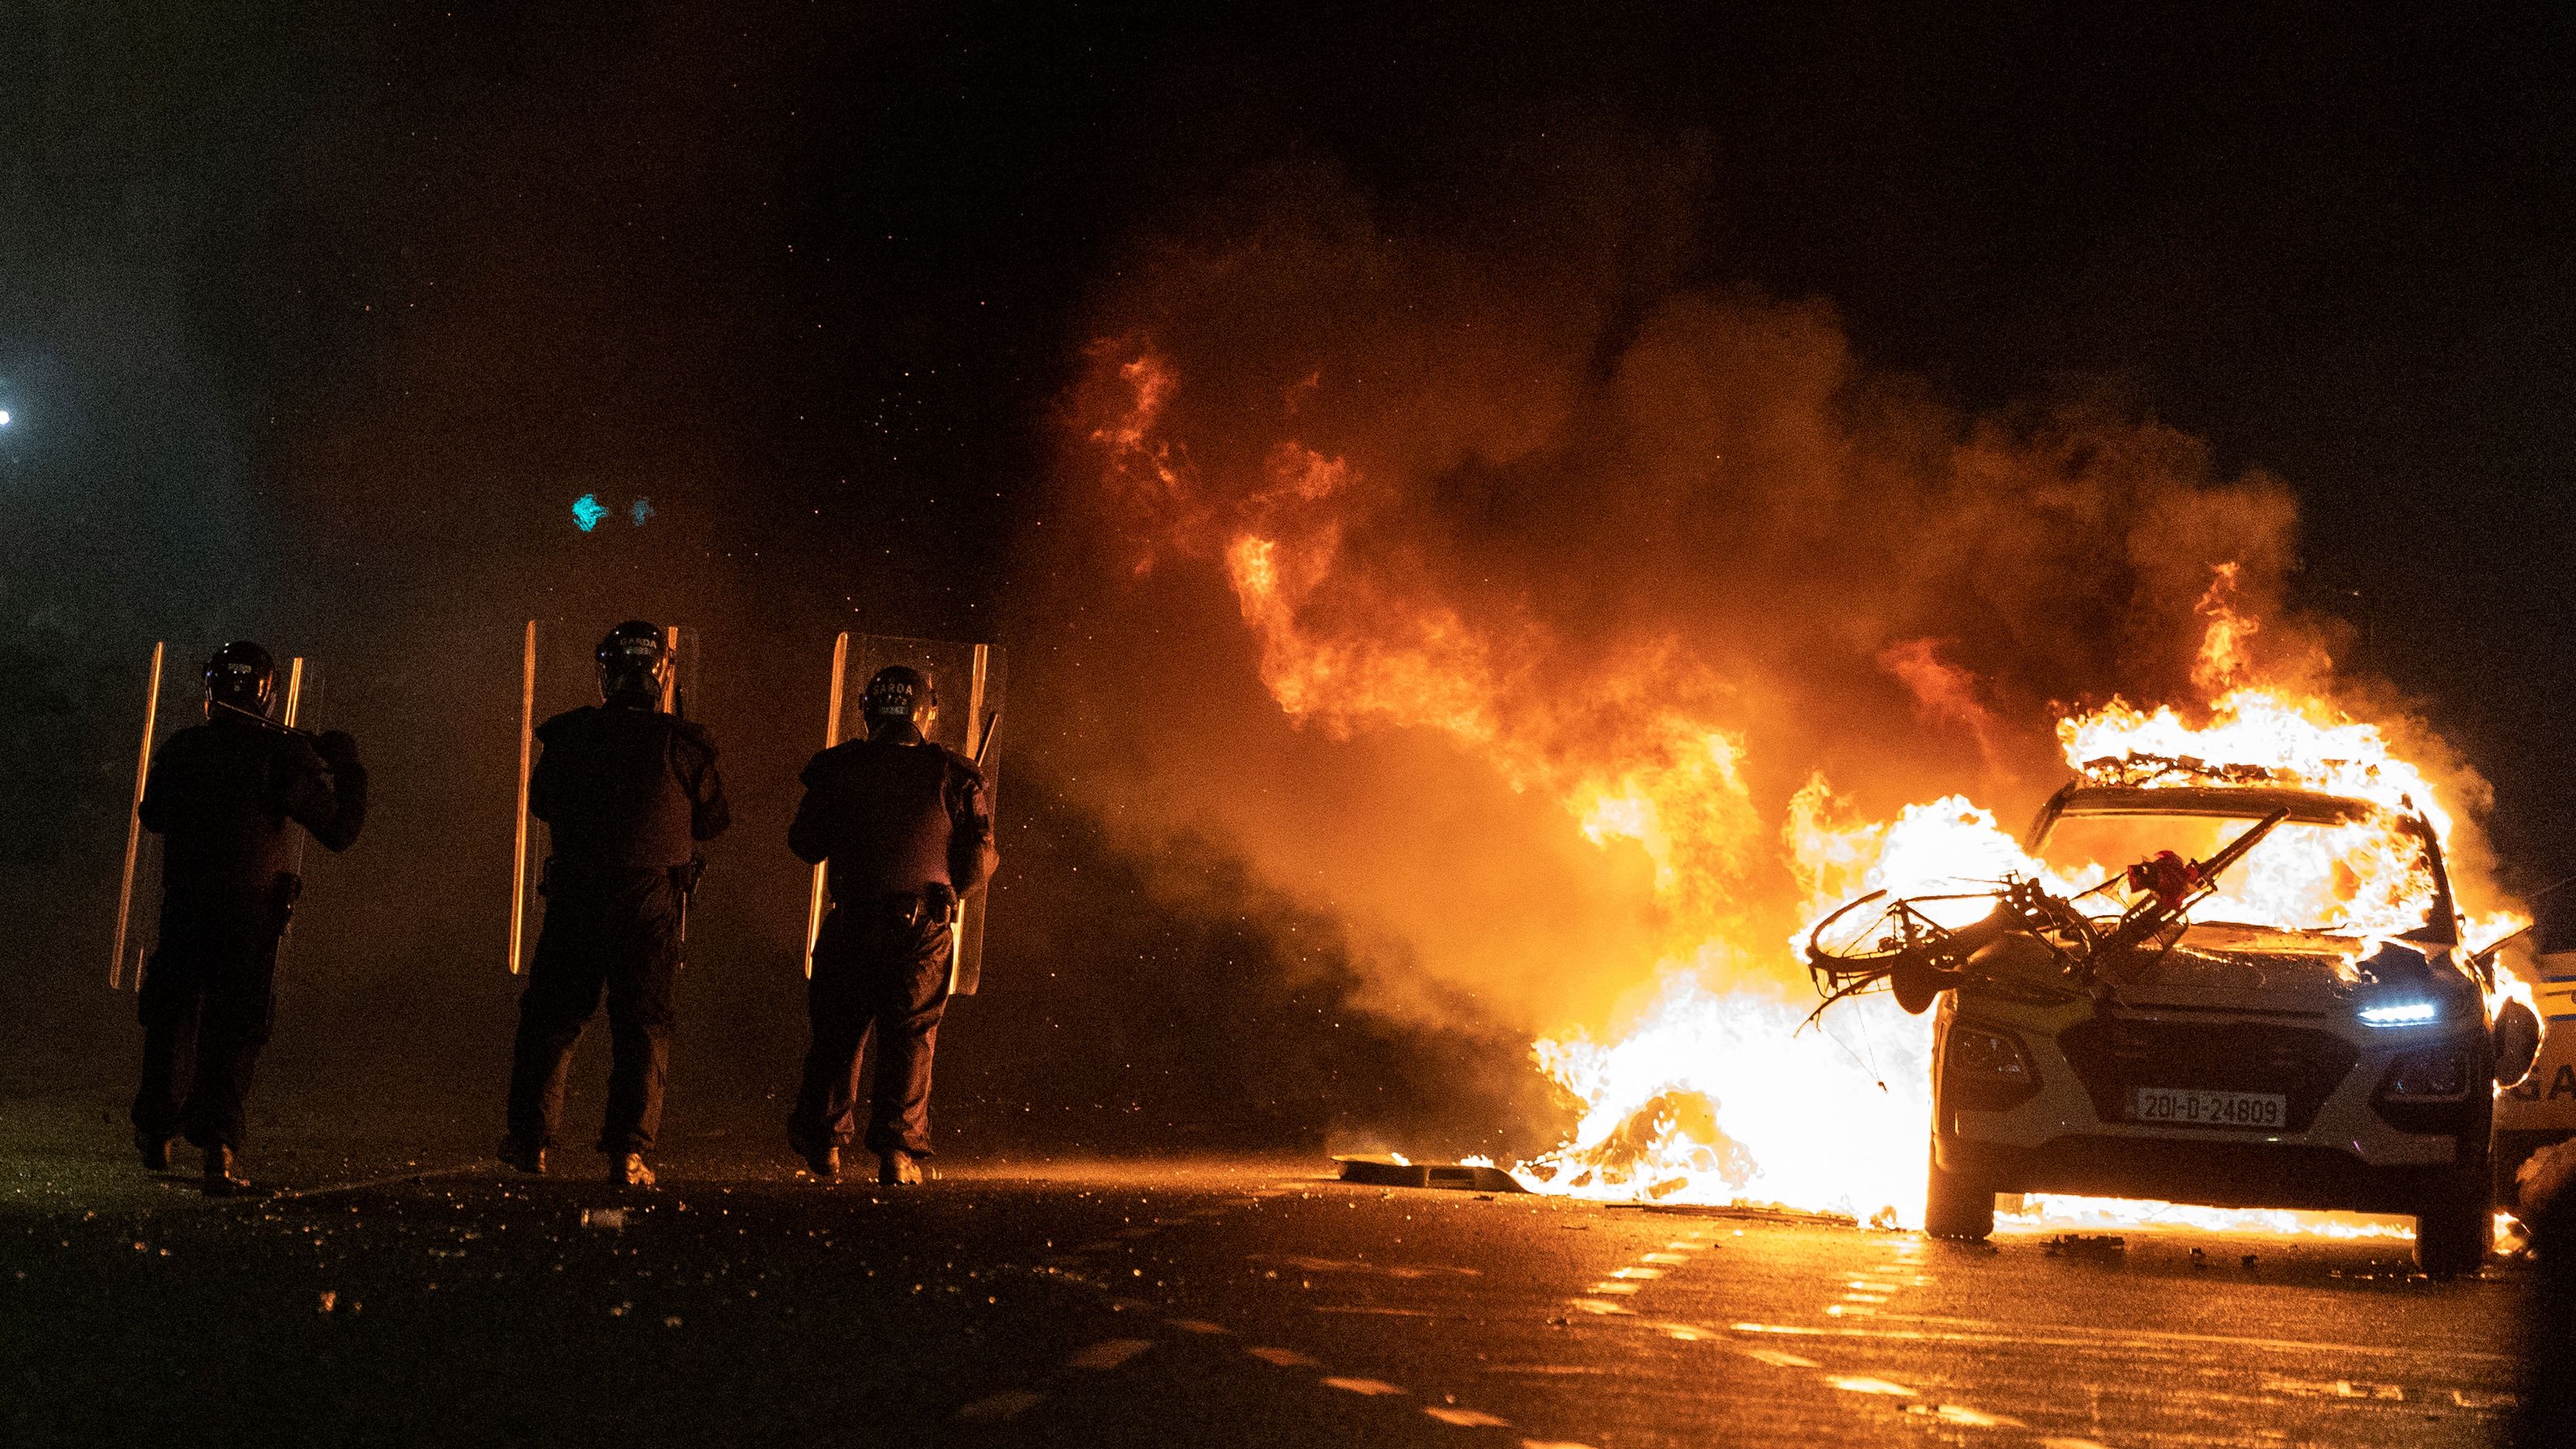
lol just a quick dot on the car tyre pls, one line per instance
(2457, 1224)
(1957, 1206)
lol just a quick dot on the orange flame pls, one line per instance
(2222, 646)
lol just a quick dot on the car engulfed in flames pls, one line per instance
(2211, 989)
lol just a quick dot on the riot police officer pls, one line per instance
(226, 797)
(627, 791)
(904, 827)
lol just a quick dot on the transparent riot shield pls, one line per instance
(968, 679)
(166, 711)
(299, 696)
(135, 927)
(559, 670)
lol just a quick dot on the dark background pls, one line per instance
(314, 321)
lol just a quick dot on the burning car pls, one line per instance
(2267, 1007)
(2541, 1112)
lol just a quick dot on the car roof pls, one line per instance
(2238, 802)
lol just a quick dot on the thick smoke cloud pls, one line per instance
(1418, 529)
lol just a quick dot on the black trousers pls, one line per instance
(2547, 1416)
(611, 932)
(880, 969)
(208, 1000)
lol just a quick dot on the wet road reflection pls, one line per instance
(1209, 1303)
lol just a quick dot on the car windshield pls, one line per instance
(2365, 877)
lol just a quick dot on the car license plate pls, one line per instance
(2182, 1107)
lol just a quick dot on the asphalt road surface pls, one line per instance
(405, 1301)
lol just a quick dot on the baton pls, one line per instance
(263, 721)
(993, 722)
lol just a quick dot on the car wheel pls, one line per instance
(2503, 1179)
(2457, 1224)
(1955, 1206)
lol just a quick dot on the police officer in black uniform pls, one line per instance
(904, 828)
(626, 791)
(226, 797)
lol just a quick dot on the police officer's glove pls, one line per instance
(338, 749)
(941, 898)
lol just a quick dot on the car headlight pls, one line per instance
(1985, 1069)
(2401, 1013)
(2438, 1075)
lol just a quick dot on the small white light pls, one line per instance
(2409, 1013)
(4, 417)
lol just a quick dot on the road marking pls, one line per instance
(1777, 1359)
(1195, 1325)
(2072, 1444)
(1008, 1404)
(2332, 1388)
(1404, 1272)
(1372, 1388)
(1605, 1307)
(1978, 1330)
(1467, 1418)
(1109, 1353)
(1553, 1444)
(1647, 1275)
(1863, 1384)
(1963, 1415)
(1614, 1287)
(1282, 1357)
(1668, 1259)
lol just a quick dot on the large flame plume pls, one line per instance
(1758, 627)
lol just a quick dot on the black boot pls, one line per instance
(824, 1163)
(155, 1149)
(530, 1160)
(221, 1179)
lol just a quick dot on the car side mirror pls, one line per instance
(2517, 1043)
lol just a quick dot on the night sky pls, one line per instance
(315, 321)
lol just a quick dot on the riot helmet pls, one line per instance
(243, 676)
(634, 662)
(900, 695)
